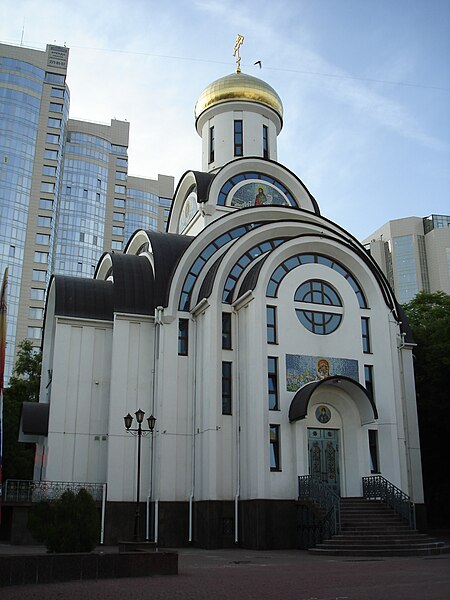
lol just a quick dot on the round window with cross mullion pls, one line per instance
(309, 296)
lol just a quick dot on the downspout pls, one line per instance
(158, 323)
(194, 404)
(102, 525)
(238, 439)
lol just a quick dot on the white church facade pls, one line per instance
(262, 337)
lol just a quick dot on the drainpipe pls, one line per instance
(102, 525)
(158, 323)
(194, 404)
(238, 441)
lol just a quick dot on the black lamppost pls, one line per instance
(138, 432)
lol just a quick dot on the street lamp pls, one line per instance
(138, 432)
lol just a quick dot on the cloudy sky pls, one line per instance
(365, 86)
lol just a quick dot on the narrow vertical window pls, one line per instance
(274, 437)
(226, 331)
(265, 141)
(238, 138)
(226, 388)
(271, 312)
(211, 144)
(183, 337)
(272, 382)
(368, 377)
(373, 451)
(365, 334)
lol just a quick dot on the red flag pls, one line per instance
(2, 368)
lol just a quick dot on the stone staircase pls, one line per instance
(370, 528)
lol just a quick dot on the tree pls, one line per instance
(71, 524)
(429, 318)
(18, 458)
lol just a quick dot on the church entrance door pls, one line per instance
(323, 450)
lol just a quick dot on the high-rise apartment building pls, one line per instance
(414, 254)
(65, 194)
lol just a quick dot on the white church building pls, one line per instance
(262, 337)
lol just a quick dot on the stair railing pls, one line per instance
(312, 489)
(377, 487)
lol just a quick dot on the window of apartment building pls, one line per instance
(46, 204)
(226, 388)
(99, 182)
(44, 221)
(97, 196)
(47, 187)
(68, 190)
(272, 382)
(36, 313)
(49, 170)
(226, 331)
(119, 203)
(52, 138)
(120, 189)
(122, 162)
(115, 245)
(117, 230)
(34, 333)
(85, 194)
(12, 251)
(274, 441)
(37, 294)
(117, 216)
(54, 78)
(265, 141)
(271, 312)
(211, 144)
(55, 123)
(57, 93)
(365, 333)
(56, 107)
(121, 175)
(238, 138)
(41, 257)
(51, 154)
(43, 239)
(183, 336)
(81, 236)
(39, 275)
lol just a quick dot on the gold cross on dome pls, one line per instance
(237, 45)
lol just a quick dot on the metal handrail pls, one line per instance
(376, 487)
(313, 490)
(26, 491)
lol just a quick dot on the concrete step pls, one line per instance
(382, 552)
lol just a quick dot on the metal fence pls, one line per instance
(377, 487)
(26, 491)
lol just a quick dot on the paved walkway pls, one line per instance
(252, 575)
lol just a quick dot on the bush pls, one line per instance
(71, 524)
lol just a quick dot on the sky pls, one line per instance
(365, 86)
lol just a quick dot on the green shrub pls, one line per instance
(71, 524)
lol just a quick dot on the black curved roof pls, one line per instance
(167, 249)
(83, 298)
(299, 405)
(133, 284)
(203, 181)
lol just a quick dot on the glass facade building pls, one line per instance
(414, 254)
(65, 194)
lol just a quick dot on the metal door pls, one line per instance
(323, 449)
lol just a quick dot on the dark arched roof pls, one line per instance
(83, 298)
(366, 406)
(167, 249)
(133, 284)
(203, 181)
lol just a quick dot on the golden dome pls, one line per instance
(239, 86)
